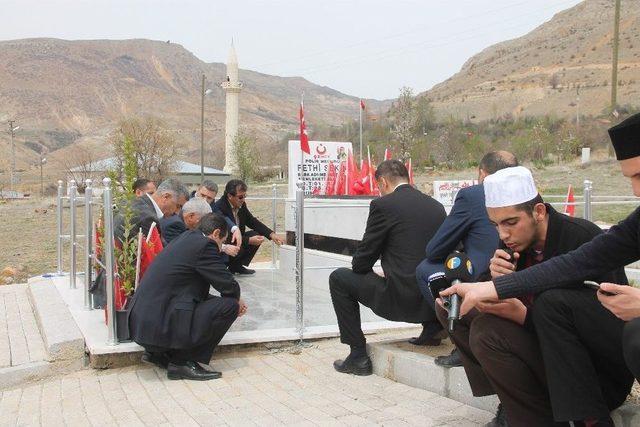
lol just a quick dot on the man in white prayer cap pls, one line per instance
(503, 349)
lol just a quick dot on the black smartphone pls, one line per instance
(596, 287)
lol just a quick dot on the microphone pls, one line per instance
(457, 269)
(437, 282)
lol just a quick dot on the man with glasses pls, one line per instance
(232, 205)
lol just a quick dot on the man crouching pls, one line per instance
(172, 314)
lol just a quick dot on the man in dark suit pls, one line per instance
(467, 225)
(172, 314)
(147, 209)
(187, 219)
(400, 224)
(232, 205)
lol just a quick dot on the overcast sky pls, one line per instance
(367, 48)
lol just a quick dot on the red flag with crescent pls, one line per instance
(304, 138)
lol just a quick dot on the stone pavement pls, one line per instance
(259, 387)
(20, 340)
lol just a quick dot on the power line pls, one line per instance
(402, 50)
(388, 37)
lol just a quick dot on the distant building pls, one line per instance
(188, 173)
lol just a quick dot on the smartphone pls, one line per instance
(596, 287)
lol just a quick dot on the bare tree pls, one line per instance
(156, 150)
(80, 164)
(403, 118)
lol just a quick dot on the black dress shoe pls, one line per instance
(356, 366)
(500, 420)
(451, 361)
(430, 336)
(161, 360)
(190, 371)
(242, 270)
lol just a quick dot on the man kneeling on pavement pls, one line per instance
(512, 348)
(173, 316)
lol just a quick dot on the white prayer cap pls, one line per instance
(509, 187)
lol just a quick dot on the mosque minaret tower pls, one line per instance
(232, 86)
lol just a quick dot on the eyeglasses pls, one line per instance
(241, 197)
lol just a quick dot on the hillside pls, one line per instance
(540, 73)
(63, 93)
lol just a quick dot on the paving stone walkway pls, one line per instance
(257, 388)
(20, 340)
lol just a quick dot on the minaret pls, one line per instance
(232, 86)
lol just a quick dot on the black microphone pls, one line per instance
(437, 282)
(457, 269)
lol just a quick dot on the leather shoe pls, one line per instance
(500, 420)
(356, 366)
(190, 371)
(161, 360)
(242, 270)
(451, 361)
(428, 337)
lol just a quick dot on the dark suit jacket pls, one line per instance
(467, 223)
(144, 214)
(172, 226)
(245, 218)
(164, 309)
(398, 228)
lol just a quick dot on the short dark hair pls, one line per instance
(496, 160)
(233, 186)
(140, 184)
(211, 222)
(210, 185)
(393, 170)
(528, 206)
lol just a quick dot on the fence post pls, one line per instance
(588, 187)
(73, 191)
(112, 336)
(59, 226)
(274, 192)
(300, 260)
(88, 243)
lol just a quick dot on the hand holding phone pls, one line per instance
(596, 286)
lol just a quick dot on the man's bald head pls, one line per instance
(494, 161)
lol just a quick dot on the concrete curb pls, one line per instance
(62, 338)
(420, 371)
(14, 376)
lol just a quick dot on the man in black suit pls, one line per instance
(400, 225)
(232, 205)
(147, 209)
(172, 314)
(187, 219)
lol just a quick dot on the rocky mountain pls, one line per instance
(563, 67)
(64, 93)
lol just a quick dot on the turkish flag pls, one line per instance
(342, 179)
(304, 138)
(387, 154)
(352, 174)
(362, 104)
(570, 209)
(330, 180)
(151, 247)
(409, 167)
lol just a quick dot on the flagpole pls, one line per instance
(360, 108)
(301, 171)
